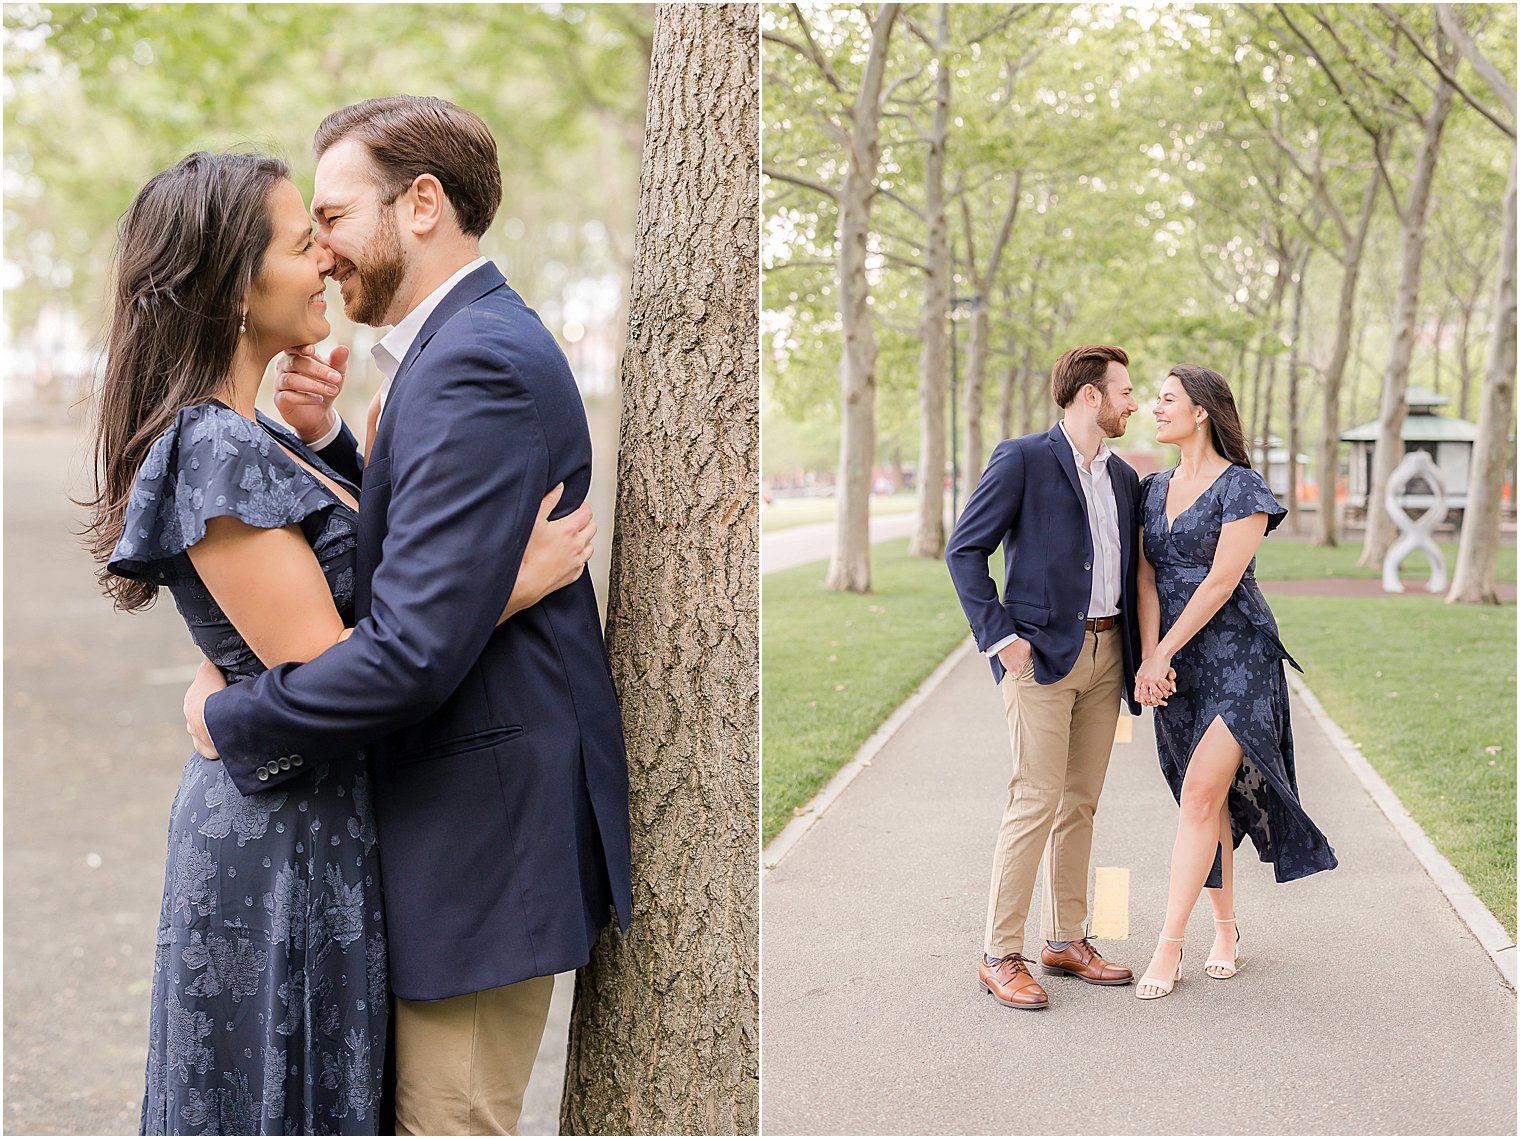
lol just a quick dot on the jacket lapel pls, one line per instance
(1062, 449)
(484, 280)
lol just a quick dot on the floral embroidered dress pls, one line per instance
(270, 999)
(1231, 669)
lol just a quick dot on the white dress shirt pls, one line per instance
(395, 344)
(1103, 523)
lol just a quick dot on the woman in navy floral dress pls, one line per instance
(270, 1003)
(1223, 737)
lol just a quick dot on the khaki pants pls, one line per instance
(462, 1064)
(1062, 735)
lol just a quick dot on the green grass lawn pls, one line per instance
(834, 665)
(1427, 690)
(1292, 559)
(783, 513)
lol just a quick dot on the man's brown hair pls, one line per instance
(1082, 366)
(411, 135)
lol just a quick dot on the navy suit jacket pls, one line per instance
(1030, 502)
(501, 781)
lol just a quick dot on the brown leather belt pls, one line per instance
(1101, 624)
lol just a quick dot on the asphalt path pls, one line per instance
(94, 745)
(798, 545)
(1365, 1005)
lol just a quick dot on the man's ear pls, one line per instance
(428, 203)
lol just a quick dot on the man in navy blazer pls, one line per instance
(1063, 643)
(501, 785)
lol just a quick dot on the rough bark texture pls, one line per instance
(1389, 449)
(1478, 553)
(928, 539)
(1330, 417)
(850, 564)
(663, 1037)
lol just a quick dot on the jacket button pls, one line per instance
(284, 763)
(263, 774)
(1087, 565)
(296, 761)
(1081, 616)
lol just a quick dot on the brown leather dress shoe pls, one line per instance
(1011, 982)
(1085, 963)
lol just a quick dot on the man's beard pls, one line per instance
(379, 275)
(1110, 422)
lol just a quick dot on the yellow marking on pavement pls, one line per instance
(1110, 911)
(1126, 732)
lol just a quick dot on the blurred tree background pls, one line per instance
(1314, 200)
(98, 97)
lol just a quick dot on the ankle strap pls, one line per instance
(1164, 937)
(1224, 921)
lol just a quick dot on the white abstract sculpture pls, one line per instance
(1415, 533)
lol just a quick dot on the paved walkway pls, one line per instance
(798, 545)
(1366, 1006)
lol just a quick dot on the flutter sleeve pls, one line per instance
(1246, 494)
(210, 462)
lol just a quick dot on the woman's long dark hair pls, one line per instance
(188, 248)
(1207, 388)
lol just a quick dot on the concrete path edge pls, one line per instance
(1491, 934)
(813, 809)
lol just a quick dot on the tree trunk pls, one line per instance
(1005, 399)
(850, 565)
(1388, 452)
(663, 1037)
(928, 539)
(1026, 391)
(1295, 411)
(972, 449)
(1478, 552)
(1464, 364)
(1330, 416)
(985, 277)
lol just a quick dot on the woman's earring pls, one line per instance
(243, 322)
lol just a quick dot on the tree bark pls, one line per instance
(928, 539)
(663, 1037)
(1330, 417)
(850, 564)
(1388, 452)
(1478, 551)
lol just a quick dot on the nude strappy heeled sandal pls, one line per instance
(1227, 969)
(1156, 982)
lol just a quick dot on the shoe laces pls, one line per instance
(1015, 961)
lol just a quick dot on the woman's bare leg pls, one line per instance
(1210, 772)
(1222, 900)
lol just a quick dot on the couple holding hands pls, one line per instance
(1141, 591)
